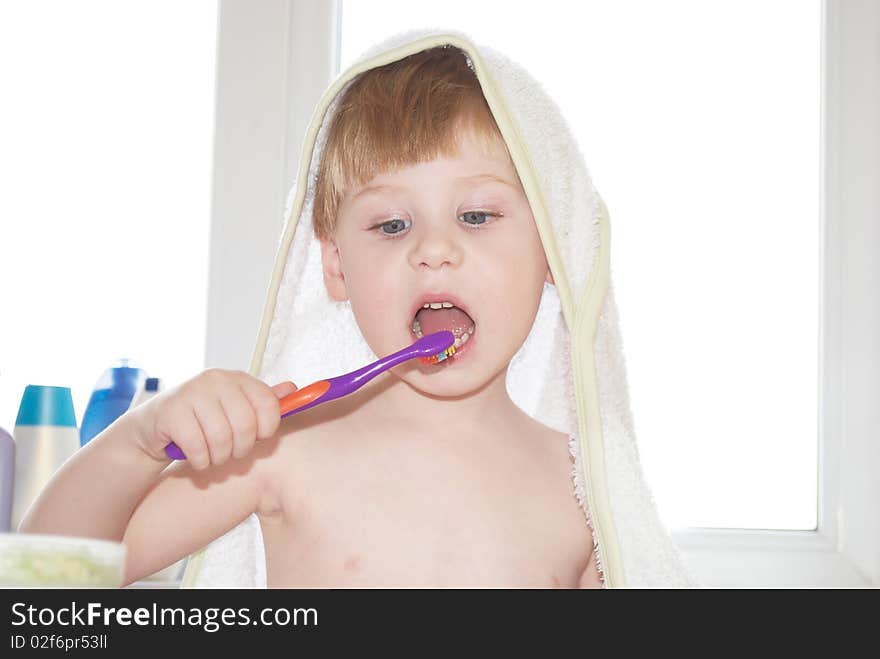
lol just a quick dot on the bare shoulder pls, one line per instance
(546, 446)
(281, 459)
(272, 460)
(555, 441)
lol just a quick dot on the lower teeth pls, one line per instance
(459, 341)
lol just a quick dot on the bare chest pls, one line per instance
(413, 514)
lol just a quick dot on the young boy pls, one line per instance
(429, 475)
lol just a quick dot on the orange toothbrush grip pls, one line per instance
(303, 396)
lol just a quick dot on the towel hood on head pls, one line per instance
(569, 374)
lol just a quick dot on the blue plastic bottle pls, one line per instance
(110, 398)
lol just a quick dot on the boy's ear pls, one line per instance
(334, 279)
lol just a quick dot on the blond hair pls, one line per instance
(400, 114)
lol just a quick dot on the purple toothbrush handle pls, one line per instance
(342, 385)
(173, 451)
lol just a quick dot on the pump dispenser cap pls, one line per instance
(46, 406)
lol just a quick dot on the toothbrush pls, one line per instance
(430, 349)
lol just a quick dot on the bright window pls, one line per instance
(700, 125)
(106, 127)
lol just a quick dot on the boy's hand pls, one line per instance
(212, 417)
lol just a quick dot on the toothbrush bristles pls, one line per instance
(439, 357)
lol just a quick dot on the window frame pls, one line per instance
(274, 61)
(276, 58)
(844, 549)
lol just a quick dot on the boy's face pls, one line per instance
(435, 228)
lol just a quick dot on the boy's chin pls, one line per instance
(446, 381)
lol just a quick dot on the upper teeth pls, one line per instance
(437, 305)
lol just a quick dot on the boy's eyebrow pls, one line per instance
(489, 177)
(474, 177)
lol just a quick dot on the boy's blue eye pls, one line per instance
(474, 214)
(398, 225)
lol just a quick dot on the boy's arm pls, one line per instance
(111, 489)
(94, 492)
(187, 509)
(116, 487)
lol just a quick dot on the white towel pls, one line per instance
(570, 372)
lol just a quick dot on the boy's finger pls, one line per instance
(267, 409)
(189, 437)
(282, 389)
(216, 429)
(242, 418)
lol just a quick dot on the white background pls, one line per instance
(106, 125)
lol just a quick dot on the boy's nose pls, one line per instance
(435, 249)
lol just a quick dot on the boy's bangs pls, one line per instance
(377, 152)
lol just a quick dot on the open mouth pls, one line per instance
(438, 316)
